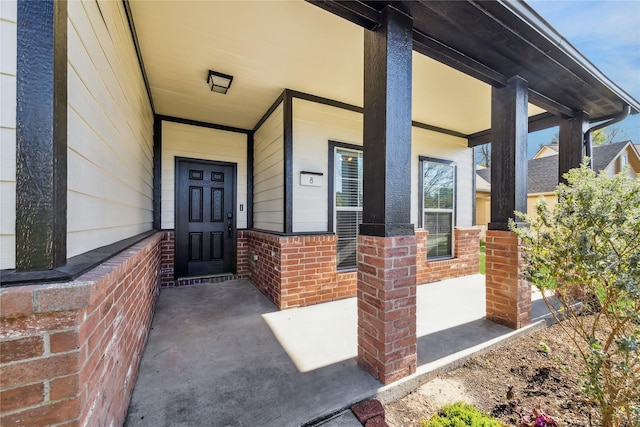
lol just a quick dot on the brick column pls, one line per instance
(387, 306)
(508, 295)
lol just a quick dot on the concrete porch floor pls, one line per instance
(223, 355)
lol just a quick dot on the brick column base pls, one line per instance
(387, 306)
(508, 295)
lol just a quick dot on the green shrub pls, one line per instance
(584, 255)
(460, 414)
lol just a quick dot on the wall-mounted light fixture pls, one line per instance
(219, 82)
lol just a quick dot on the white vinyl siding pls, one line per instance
(440, 146)
(196, 142)
(314, 125)
(8, 28)
(110, 130)
(268, 173)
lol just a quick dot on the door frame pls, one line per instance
(234, 195)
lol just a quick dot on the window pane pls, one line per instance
(348, 178)
(438, 224)
(347, 230)
(348, 197)
(438, 182)
(439, 202)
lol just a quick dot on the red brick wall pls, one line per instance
(168, 257)
(70, 351)
(301, 270)
(387, 306)
(466, 256)
(508, 295)
(242, 257)
(297, 270)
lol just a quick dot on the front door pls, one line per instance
(205, 218)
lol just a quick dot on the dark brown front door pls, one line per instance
(205, 218)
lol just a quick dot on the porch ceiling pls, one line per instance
(273, 45)
(495, 40)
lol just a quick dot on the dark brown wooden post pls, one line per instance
(41, 135)
(571, 137)
(509, 130)
(387, 244)
(508, 295)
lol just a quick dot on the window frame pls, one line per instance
(421, 209)
(332, 208)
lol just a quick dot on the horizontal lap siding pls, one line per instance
(110, 130)
(446, 147)
(268, 173)
(314, 125)
(195, 142)
(8, 28)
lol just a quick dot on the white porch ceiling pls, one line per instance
(271, 45)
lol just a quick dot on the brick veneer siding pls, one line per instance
(69, 352)
(297, 270)
(168, 259)
(508, 295)
(387, 306)
(466, 259)
(301, 270)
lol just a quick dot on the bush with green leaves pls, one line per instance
(584, 255)
(460, 414)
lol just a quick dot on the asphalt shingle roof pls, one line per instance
(542, 176)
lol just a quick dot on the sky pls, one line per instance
(607, 32)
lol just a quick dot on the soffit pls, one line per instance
(269, 46)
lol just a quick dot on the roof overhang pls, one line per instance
(495, 40)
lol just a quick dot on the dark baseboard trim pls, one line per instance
(75, 266)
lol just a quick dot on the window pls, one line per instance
(348, 204)
(438, 206)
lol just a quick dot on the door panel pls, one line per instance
(217, 204)
(195, 204)
(205, 218)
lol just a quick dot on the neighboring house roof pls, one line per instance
(604, 154)
(542, 176)
(547, 150)
(482, 184)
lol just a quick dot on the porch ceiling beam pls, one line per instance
(354, 11)
(538, 122)
(539, 100)
(434, 49)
